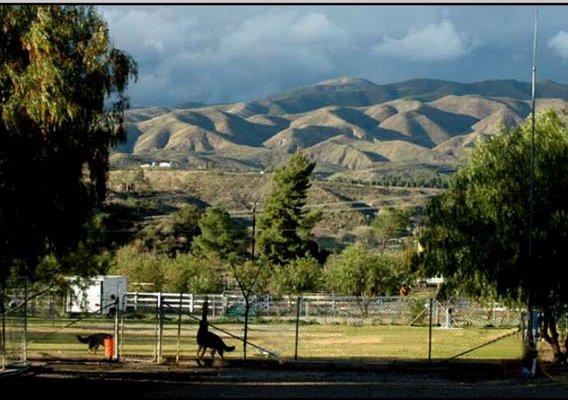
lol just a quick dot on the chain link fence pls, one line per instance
(13, 312)
(162, 327)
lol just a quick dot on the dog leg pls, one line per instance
(198, 357)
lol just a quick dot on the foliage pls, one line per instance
(186, 273)
(220, 237)
(300, 275)
(139, 267)
(477, 232)
(390, 223)
(361, 272)
(251, 278)
(174, 233)
(283, 226)
(62, 98)
(366, 236)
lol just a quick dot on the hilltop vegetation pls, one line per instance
(346, 207)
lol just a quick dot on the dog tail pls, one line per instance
(83, 340)
(228, 348)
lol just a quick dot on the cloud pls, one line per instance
(241, 53)
(559, 44)
(196, 59)
(432, 42)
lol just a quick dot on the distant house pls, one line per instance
(148, 165)
(165, 165)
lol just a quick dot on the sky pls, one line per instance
(216, 54)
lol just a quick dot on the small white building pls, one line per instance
(95, 295)
(165, 165)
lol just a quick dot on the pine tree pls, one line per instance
(280, 239)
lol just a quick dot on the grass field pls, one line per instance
(55, 339)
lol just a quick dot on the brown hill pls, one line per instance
(344, 124)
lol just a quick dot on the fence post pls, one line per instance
(430, 331)
(116, 317)
(121, 348)
(224, 304)
(298, 300)
(136, 301)
(3, 310)
(333, 303)
(160, 328)
(25, 343)
(179, 327)
(191, 303)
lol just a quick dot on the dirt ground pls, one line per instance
(144, 381)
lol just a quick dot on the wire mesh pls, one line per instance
(13, 313)
(157, 327)
(462, 329)
(54, 333)
(139, 330)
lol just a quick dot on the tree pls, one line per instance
(283, 226)
(139, 267)
(251, 278)
(362, 273)
(62, 98)
(223, 239)
(388, 224)
(300, 275)
(220, 237)
(477, 232)
(187, 273)
(173, 234)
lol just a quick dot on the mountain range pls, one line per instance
(350, 126)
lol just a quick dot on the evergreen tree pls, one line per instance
(282, 231)
(220, 237)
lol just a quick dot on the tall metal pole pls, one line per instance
(253, 229)
(298, 306)
(3, 311)
(25, 309)
(179, 326)
(531, 350)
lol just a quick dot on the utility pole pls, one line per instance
(253, 204)
(531, 351)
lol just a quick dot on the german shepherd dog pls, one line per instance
(207, 340)
(95, 341)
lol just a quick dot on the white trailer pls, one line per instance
(95, 295)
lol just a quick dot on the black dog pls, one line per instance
(95, 340)
(207, 340)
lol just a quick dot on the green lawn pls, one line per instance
(338, 341)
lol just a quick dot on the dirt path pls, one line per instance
(161, 382)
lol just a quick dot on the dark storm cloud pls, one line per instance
(225, 54)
